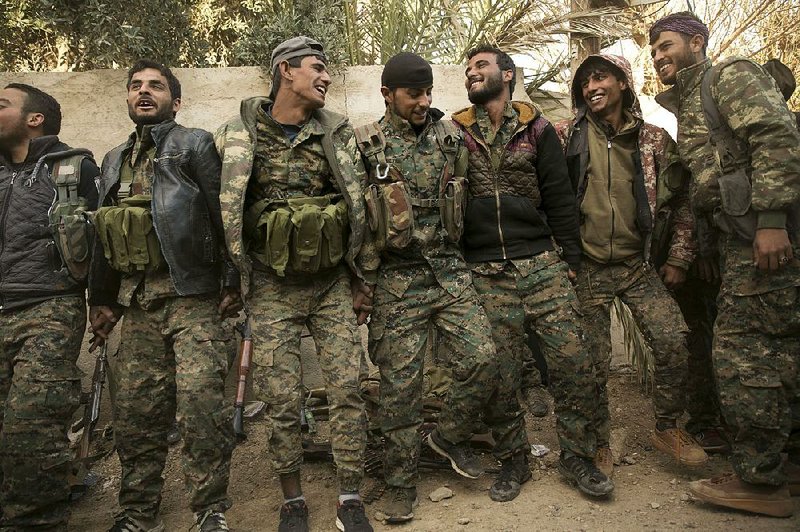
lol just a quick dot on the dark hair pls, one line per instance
(655, 32)
(172, 81)
(595, 64)
(38, 101)
(504, 61)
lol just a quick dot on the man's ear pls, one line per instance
(176, 105)
(388, 95)
(34, 120)
(507, 75)
(696, 43)
(285, 70)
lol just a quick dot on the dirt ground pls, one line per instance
(651, 492)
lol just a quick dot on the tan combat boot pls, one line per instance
(731, 492)
(604, 461)
(680, 445)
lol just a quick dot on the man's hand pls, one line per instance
(672, 276)
(771, 249)
(362, 299)
(572, 276)
(102, 320)
(707, 269)
(230, 302)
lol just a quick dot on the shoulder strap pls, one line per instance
(372, 144)
(730, 151)
(448, 136)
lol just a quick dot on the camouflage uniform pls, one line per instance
(259, 161)
(658, 207)
(425, 283)
(758, 323)
(153, 388)
(516, 272)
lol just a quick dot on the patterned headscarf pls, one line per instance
(683, 22)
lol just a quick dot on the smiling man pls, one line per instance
(160, 259)
(738, 138)
(520, 200)
(633, 201)
(292, 202)
(417, 164)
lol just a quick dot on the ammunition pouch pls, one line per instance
(452, 207)
(390, 215)
(306, 234)
(68, 218)
(129, 239)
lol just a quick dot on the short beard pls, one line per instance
(162, 116)
(492, 88)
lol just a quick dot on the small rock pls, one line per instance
(655, 505)
(685, 497)
(463, 520)
(536, 475)
(440, 494)
(628, 460)
(673, 481)
(689, 525)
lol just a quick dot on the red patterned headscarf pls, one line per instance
(683, 22)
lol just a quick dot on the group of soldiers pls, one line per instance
(491, 228)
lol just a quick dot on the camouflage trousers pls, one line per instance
(40, 387)
(697, 300)
(279, 309)
(173, 359)
(757, 363)
(537, 291)
(658, 317)
(398, 335)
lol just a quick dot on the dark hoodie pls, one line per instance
(31, 269)
(630, 185)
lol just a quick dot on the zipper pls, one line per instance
(6, 201)
(613, 213)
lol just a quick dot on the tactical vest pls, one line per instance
(130, 242)
(733, 157)
(305, 234)
(390, 206)
(68, 218)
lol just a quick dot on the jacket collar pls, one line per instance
(526, 113)
(158, 132)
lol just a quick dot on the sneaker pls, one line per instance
(211, 521)
(537, 401)
(514, 472)
(294, 517)
(680, 445)
(461, 457)
(712, 441)
(399, 505)
(731, 492)
(583, 473)
(604, 461)
(126, 523)
(351, 517)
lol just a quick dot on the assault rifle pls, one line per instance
(245, 356)
(91, 412)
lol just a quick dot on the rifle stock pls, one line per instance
(245, 356)
(91, 412)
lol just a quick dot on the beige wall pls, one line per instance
(95, 114)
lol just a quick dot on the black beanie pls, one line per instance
(408, 71)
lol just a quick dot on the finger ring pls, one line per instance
(784, 260)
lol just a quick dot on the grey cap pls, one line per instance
(296, 47)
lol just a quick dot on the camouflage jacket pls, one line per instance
(236, 144)
(662, 186)
(421, 164)
(750, 103)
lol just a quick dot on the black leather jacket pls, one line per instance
(185, 209)
(31, 269)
